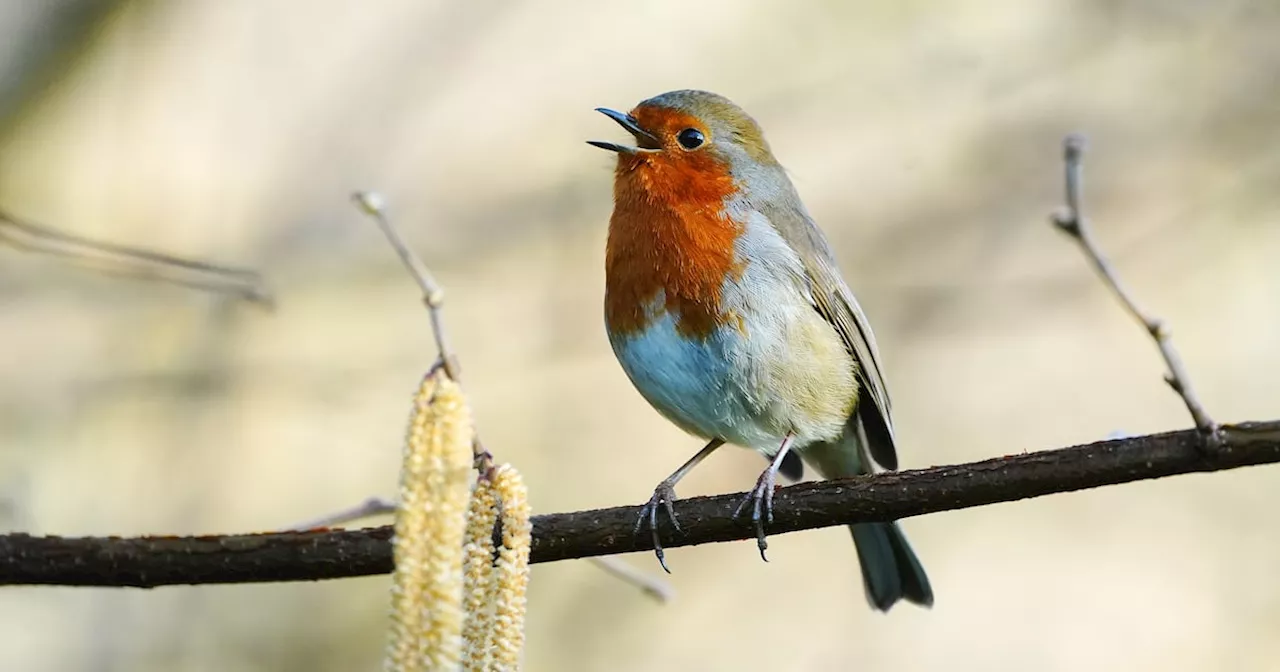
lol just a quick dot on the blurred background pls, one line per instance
(925, 140)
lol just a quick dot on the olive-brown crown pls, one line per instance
(689, 120)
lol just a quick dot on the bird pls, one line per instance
(726, 309)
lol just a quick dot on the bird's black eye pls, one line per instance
(691, 138)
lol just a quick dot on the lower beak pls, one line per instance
(647, 142)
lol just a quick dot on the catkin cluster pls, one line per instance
(512, 571)
(458, 600)
(426, 593)
(497, 578)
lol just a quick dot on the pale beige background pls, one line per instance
(923, 138)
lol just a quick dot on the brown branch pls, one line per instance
(328, 554)
(377, 506)
(134, 262)
(1070, 220)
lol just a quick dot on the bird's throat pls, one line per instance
(671, 249)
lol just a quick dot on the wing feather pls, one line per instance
(833, 300)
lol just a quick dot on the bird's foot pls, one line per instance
(761, 500)
(664, 496)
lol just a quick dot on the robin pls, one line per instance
(725, 307)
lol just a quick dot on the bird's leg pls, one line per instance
(761, 496)
(665, 495)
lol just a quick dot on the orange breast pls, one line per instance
(669, 236)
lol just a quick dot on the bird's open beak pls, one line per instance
(646, 142)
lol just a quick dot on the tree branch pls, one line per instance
(115, 259)
(329, 554)
(1070, 220)
(377, 506)
(372, 204)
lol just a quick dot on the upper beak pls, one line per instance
(646, 141)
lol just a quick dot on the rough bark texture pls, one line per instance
(330, 554)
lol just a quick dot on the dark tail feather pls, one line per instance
(890, 569)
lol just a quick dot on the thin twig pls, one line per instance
(372, 204)
(651, 585)
(373, 506)
(1070, 220)
(138, 262)
(332, 554)
(376, 506)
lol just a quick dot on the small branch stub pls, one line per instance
(373, 506)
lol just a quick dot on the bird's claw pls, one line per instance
(761, 500)
(664, 496)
